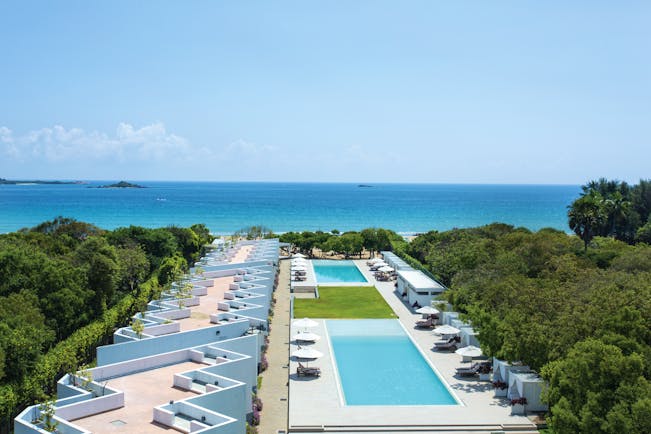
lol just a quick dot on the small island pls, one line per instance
(121, 184)
(364, 186)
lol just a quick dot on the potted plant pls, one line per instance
(46, 419)
(517, 405)
(500, 388)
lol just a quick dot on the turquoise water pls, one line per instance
(379, 365)
(227, 207)
(337, 272)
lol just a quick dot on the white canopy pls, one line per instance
(298, 255)
(305, 323)
(379, 264)
(386, 269)
(306, 336)
(469, 351)
(374, 261)
(307, 353)
(427, 310)
(446, 330)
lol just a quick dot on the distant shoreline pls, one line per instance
(39, 182)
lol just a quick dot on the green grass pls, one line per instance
(349, 302)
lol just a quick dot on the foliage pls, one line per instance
(582, 318)
(171, 268)
(183, 292)
(65, 286)
(138, 327)
(46, 418)
(587, 216)
(254, 233)
(344, 302)
(610, 208)
(348, 244)
(598, 388)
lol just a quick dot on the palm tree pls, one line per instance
(587, 216)
(617, 209)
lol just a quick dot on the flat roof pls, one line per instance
(142, 392)
(418, 279)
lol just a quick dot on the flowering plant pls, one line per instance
(264, 364)
(255, 420)
(521, 401)
(499, 385)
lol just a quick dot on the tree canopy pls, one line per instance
(582, 318)
(62, 274)
(611, 208)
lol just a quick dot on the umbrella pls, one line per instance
(298, 255)
(469, 351)
(379, 264)
(428, 310)
(307, 353)
(306, 336)
(386, 269)
(446, 330)
(305, 323)
(374, 261)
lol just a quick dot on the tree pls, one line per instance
(370, 240)
(23, 334)
(597, 389)
(586, 216)
(171, 268)
(99, 259)
(643, 234)
(138, 327)
(133, 267)
(352, 243)
(183, 292)
(47, 413)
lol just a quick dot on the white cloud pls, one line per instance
(57, 144)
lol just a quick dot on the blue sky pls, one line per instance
(413, 91)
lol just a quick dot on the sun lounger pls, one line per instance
(308, 371)
(428, 323)
(476, 368)
(450, 344)
(468, 371)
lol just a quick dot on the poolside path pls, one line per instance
(275, 391)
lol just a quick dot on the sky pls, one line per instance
(532, 92)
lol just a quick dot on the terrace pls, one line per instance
(192, 368)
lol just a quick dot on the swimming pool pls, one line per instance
(337, 272)
(378, 364)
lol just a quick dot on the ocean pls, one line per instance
(228, 207)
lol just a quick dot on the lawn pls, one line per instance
(350, 302)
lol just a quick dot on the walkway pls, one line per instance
(274, 391)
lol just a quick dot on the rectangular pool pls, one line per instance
(337, 272)
(378, 364)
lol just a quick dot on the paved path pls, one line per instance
(274, 391)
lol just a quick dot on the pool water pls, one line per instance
(337, 272)
(378, 364)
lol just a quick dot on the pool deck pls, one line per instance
(317, 402)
